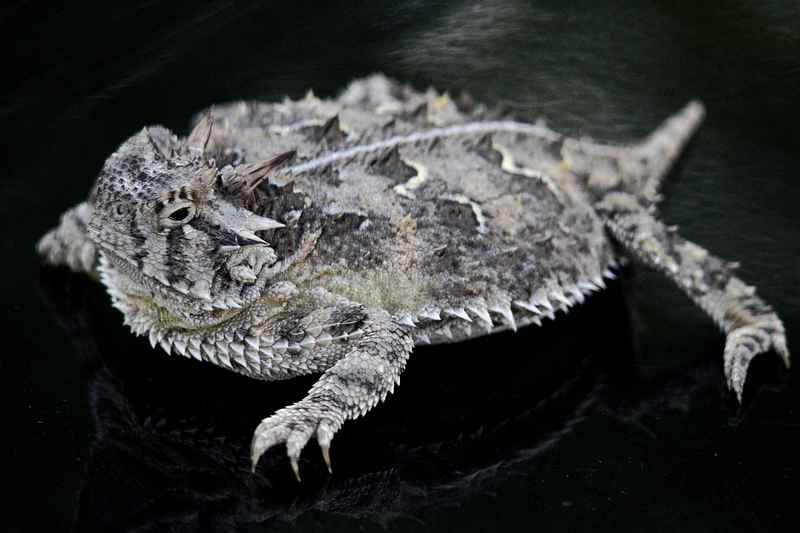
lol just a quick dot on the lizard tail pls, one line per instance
(658, 151)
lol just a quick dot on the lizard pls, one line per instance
(331, 236)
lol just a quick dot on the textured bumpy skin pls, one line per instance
(331, 236)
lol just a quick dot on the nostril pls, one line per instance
(247, 262)
(243, 274)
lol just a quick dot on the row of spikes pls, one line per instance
(233, 349)
(542, 304)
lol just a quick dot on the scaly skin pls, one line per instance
(330, 236)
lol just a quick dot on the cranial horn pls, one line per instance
(259, 223)
(158, 152)
(251, 175)
(198, 139)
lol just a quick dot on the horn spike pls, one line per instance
(199, 138)
(259, 223)
(259, 171)
(250, 235)
(159, 153)
(331, 130)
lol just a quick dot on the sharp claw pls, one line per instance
(779, 343)
(325, 433)
(264, 439)
(295, 468)
(256, 450)
(746, 343)
(326, 456)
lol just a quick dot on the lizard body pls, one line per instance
(331, 236)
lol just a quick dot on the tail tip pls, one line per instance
(695, 110)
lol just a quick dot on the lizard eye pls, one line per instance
(179, 214)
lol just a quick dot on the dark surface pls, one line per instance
(615, 417)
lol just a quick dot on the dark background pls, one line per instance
(615, 417)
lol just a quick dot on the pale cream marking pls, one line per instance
(474, 128)
(413, 183)
(508, 164)
(476, 209)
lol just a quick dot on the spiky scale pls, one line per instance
(587, 286)
(195, 353)
(210, 353)
(252, 342)
(502, 306)
(559, 296)
(308, 341)
(281, 345)
(577, 295)
(166, 345)
(224, 358)
(540, 299)
(253, 360)
(479, 309)
(153, 336)
(430, 313)
(180, 346)
(445, 331)
(407, 320)
(457, 312)
(237, 352)
(528, 306)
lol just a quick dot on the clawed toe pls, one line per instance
(295, 434)
(264, 438)
(325, 433)
(745, 343)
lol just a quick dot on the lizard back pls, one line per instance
(420, 209)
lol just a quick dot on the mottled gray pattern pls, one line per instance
(330, 236)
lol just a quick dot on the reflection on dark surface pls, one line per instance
(558, 428)
(171, 436)
(170, 446)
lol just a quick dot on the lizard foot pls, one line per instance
(350, 388)
(294, 426)
(745, 342)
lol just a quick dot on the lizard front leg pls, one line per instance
(68, 244)
(751, 325)
(361, 378)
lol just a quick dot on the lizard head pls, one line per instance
(178, 226)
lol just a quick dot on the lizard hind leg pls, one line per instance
(751, 325)
(352, 386)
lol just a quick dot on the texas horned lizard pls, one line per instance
(331, 236)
